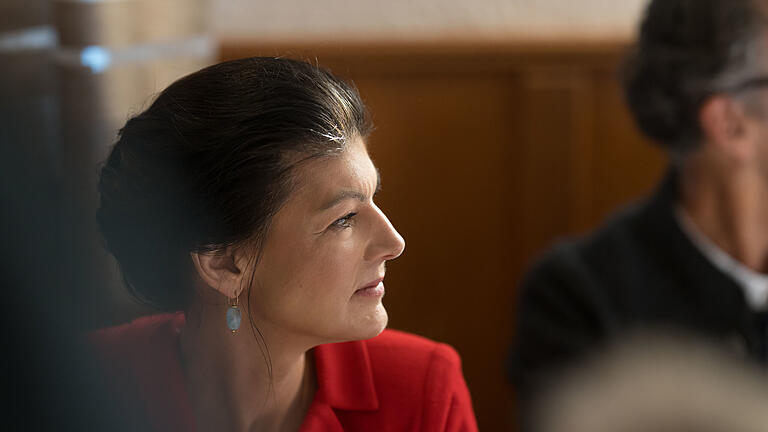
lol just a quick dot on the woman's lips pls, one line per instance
(373, 289)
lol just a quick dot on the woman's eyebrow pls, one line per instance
(343, 196)
(351, 194)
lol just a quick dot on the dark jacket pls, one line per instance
(636, 272)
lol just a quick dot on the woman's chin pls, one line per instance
(371, 324)
(360, 325)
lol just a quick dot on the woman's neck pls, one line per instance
(235, 383)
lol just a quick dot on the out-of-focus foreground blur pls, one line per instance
(658, 384)
(500, 128)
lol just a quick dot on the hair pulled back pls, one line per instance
(208, 164)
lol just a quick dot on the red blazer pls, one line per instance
(393, 382)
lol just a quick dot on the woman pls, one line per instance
(243, 196)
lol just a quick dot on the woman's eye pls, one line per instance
(344, 222)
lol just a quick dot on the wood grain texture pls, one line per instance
(489, 153)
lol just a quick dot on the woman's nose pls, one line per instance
(388, 244)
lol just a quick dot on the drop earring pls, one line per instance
(233, 315)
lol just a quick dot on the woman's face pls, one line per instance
(323, 260)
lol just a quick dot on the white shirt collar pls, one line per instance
(754, 284)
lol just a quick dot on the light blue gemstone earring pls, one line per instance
(233, 315)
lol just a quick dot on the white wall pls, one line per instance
(423, 19)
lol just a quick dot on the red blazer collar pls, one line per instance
(344, 376)
(344, 373)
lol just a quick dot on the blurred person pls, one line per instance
(649, 383)
(240, 203)
(694, 255)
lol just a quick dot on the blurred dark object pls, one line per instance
(62, 97)
(49, 381)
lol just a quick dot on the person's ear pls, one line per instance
(219, 270)
(726, 125)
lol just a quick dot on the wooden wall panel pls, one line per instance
(488, 154)
(558, 143)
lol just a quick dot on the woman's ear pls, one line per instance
(219, 270)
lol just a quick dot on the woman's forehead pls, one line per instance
(322, 178)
